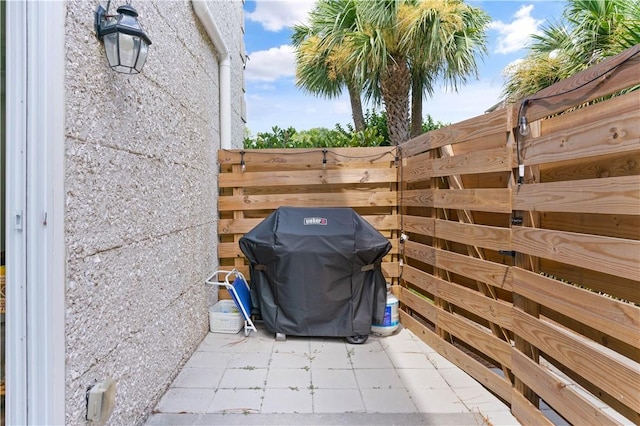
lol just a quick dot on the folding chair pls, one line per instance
(240, 293)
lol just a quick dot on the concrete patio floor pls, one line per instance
(398, 379)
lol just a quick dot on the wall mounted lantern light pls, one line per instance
(125, 42)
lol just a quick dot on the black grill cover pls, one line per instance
(316, 272)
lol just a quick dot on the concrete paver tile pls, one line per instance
(288, 378)
(440, 362)
(422, 378)
(401, 345)
(388, 401)
(377, 359)
(437, 401)
(204, 359)
(408, 359)
(220, 342)
(250, 360)
(457, 378)
(186, 400)
(371, 345)
(293, 344)
(317, 345)
(236, 401)
(207, 378)
(337, 401)
(335, 360)
(236, 378)
(369, 378)
(290, 360)
(333, 379)
(287, 401)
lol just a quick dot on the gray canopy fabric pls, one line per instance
(316, 272)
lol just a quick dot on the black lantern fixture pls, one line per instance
(125, 42)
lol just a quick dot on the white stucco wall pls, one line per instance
(141, 201)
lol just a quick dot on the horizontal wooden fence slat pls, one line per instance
(618, 195)
(421, 252)
(416, 198)
(496, 200)
(526, 412)
(558, 393)
(478, 269)
(423, 280)
(487, 161)
(590, 308)
(481, 270)
(613, 374)
(610, 76)
(418, 225)
(423, 306)
(490, 237)
(273, 201)
(611, 225)
(597, 281)
(477, 337)
(307, 177)
(494, 311)
(417, 168)
(390, 269)
(491, 124)
(614, 256)
(616, 130)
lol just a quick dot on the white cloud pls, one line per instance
(274, 15)
(270, 65)
(515, 35)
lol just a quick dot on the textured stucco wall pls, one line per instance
(141, 196)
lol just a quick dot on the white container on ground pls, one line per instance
(391, 319)
(225, 317)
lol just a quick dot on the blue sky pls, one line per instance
(274, 100)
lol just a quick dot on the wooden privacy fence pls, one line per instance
(522, 263)
(364, 179)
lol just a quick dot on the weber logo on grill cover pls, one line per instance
(315, 221)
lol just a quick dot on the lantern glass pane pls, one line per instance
(142, 57)
(111, 49)
(129, 47)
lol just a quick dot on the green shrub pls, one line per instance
(374, 134)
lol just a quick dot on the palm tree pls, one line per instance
(321, 69)
(462, 38)
(385, 44)
(591, 30)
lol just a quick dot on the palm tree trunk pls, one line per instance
(356, 107)
(395, 84)
(416, 107)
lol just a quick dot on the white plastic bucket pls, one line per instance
(391, 319)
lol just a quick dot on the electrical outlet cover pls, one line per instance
(101, 402)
